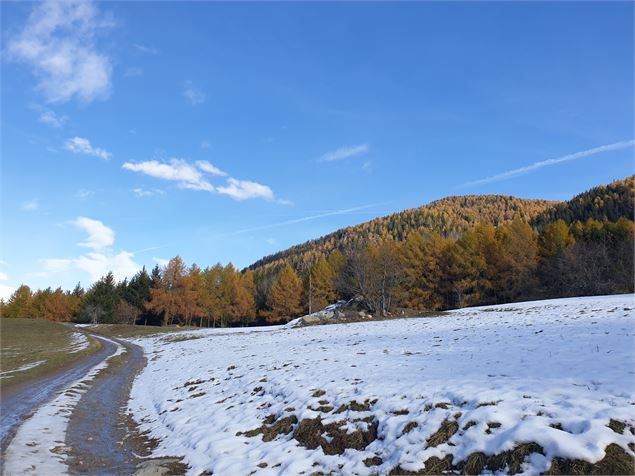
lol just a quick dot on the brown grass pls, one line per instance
(310, 430)
(444, 433)
(27, 341)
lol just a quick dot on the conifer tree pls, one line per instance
(321, 289)
(20, 304)
(285, 297)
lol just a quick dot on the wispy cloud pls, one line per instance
(245, 189)
(546, 163)
(142, 192)
(97, 262)
(160, 261)
(195, 177)
(99, 235)
(193, 95)
(83, 193)
(80, 145)
(58, 43)
(176, 170)
(30, 205)
(205, 166)
(49, 118)
(304, 219)
(344, 153)
(148, 50)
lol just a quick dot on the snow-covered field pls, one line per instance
(483, 379)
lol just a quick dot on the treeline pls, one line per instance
(487, 265)
(216, 296)
(455, 252)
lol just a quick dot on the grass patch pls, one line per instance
(616, 461)
(444, 433)
(125, 330)
(25, 342)
(309, 433)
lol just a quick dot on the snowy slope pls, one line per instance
(550, 372)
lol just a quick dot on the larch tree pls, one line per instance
(167, 298)
(285, 297)
(421, 264)
(321, 289)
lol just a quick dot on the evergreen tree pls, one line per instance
(101, 300)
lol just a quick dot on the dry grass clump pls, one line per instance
(616, 461)
(272, 428)
(310, 430)
(444, 433)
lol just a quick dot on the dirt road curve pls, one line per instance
(22, 400)
(100, 438)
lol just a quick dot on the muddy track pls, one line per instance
(98, 431)
(20, 401)
(101, 436)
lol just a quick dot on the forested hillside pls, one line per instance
(449, 217)
(455, 252)
(605, 202)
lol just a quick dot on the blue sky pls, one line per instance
(135, 131)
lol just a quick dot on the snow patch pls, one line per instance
(551, 372)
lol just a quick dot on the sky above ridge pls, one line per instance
(136, 131)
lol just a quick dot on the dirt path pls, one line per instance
(100, 437)
(98, 430)
(21, 400)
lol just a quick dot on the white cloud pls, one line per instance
(6, 291)
(79, 145)
(148, 50)
(194, 95)
(99, 264)
(205, 144)
(546, 163)
(345, 153)
(160, 261)
(270, 241)
(205, 166)
(142, 192)
(49, 118)
(244, 189)
(177, 170)
(30, 205)
(83, 193)
(3, 276)
(58, 43)
(99, 235)
(191, 176)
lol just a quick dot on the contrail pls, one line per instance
(303, 219)
(545, 163)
